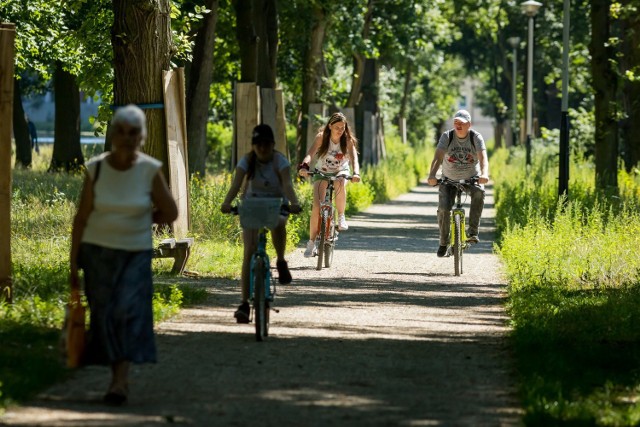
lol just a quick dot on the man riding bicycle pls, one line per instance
(462, 153)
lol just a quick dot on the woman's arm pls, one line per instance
(85, 206)
(355, 164)
(165, 208)
(233, 190)
(310, 153)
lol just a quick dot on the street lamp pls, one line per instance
(530, 8)
(514, 42)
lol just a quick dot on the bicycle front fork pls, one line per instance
(452, 232)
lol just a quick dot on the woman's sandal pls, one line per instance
(116, 396)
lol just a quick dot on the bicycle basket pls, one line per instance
(258, 212)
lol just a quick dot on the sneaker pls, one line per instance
(473, 239)
(242, 313)
(342, 223)
(284, 275)
(442, 251)
(311, 249)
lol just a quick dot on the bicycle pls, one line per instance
(328, 232)
(457, 235)
(262, 214)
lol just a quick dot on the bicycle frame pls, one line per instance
(457, 234)
(458, 211)
(327, 230)
(262, 287)
(261, 254)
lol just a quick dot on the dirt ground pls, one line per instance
(387, 336)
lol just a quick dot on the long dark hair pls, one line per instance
(344, 139)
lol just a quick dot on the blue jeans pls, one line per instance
(446, 199)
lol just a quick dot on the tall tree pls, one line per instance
(265, 18)
(605, 85)
(247, 40)
(67, 153)
(199, 77)
(142, 48)
(20, 130)
(311, 73)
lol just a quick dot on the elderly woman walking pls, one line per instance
(124, 193)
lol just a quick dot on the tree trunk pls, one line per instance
(200, 75)
(312, 76)
(359, 59)
(67, 153)
(266, 26)
(247, 40)
(498, 132)
(604, 85)
(408, 74)
(142, 46)
(369, 98)
(20, 129)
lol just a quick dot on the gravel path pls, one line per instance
(386, 337)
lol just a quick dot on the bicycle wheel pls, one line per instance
(330, 243)
(457, 245)
(260, 309)
(322, 239)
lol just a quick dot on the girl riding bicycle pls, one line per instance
(265, 173)
(335, 153)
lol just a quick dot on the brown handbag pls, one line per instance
(73, 332)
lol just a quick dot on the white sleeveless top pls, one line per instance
(122, 206)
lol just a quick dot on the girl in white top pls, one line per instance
(265, 172)
(335, 153)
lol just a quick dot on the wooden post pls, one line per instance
(176, 127)
(7, 37)
(317, 113)
(247, 116)
(367, 138)
(382, 148)
(281, 125)
(272, 106)
(350, 114)
(402, 124)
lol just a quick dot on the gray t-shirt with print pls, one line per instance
(461, 160)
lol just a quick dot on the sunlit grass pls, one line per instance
(574, 290)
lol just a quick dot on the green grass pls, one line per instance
(574, 290)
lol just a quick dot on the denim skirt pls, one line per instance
(119, 289)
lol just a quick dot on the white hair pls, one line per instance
(133, 116)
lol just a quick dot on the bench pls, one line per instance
(178, 249)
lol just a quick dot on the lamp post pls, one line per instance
(530, 8)
(514, 42)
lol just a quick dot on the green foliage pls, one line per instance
(167, 301)
(219, 141)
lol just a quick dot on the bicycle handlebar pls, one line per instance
(328, 177)
(473, 180)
